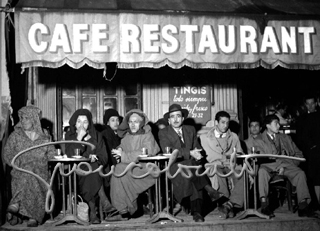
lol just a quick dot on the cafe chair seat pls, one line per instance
(280, 184)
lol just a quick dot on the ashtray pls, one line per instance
(77, 157)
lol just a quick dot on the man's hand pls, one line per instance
(93, 158)
(117, 154)
(281, 171)
(195, 153)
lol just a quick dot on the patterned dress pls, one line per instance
(28, 191)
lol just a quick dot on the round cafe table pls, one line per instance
(69, 214)
(159, 213)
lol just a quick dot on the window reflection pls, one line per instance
(90, 103)
(131, 89)
(109, 103)
(131, 103)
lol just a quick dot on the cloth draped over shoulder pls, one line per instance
(126, 189)
(90, 184)
(27, 191)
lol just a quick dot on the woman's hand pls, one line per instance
(81, 133)
(93, 158)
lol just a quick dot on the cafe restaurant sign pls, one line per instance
(196, 99)
(153, 40)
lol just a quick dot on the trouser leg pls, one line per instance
(298, 179)
(264, 177)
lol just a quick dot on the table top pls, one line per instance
(68, 159)
(157, 157)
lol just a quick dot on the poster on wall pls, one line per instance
(196, 99)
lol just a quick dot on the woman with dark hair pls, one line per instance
(28, 193)
(136, 135)
(91, 187)
(111, 120)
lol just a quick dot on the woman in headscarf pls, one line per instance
(136, 135)
(91, 186)
(111, 120)
(28, 193)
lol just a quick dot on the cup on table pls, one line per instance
(59, 153)
(77, 151)
(168, 150)
(144, 151)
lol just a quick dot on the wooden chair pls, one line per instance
(284, 185)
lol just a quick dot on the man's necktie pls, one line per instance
(273, 138)
(180, 135)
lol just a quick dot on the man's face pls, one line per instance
(113, 122)
(223, 124)
(176, 119)
(311, 105)
(273, 127)
(134, 123)
(254, 128)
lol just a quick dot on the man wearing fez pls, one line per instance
(184, 138)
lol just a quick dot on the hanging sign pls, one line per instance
(196, 99)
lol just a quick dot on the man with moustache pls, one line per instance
(184, 138)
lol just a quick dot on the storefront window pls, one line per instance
(68, 104)
(131, 103)
(109, 103)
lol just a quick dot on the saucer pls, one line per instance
(58, 157)
(143, 155)
(166, 154)
(77, 157)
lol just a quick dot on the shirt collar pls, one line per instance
(177, 129)
(217, 134)
(271, 135)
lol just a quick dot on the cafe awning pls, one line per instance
(195, 33)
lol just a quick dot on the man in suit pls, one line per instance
(184, 138)
(273, 142)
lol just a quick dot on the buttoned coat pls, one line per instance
(169, 138)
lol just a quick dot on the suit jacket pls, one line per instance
(169, 138)
(288, 147)
(183, 187)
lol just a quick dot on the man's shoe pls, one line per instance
(306, 212)
(32, 223)
(214, 194)
(197, 217)
(107, 207)
(266, 211)
(117, 217)
(227, 210)
(94, 219)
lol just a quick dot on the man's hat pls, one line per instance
(176, 107)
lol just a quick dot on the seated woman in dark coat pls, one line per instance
(111, 120)
(82, 129)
